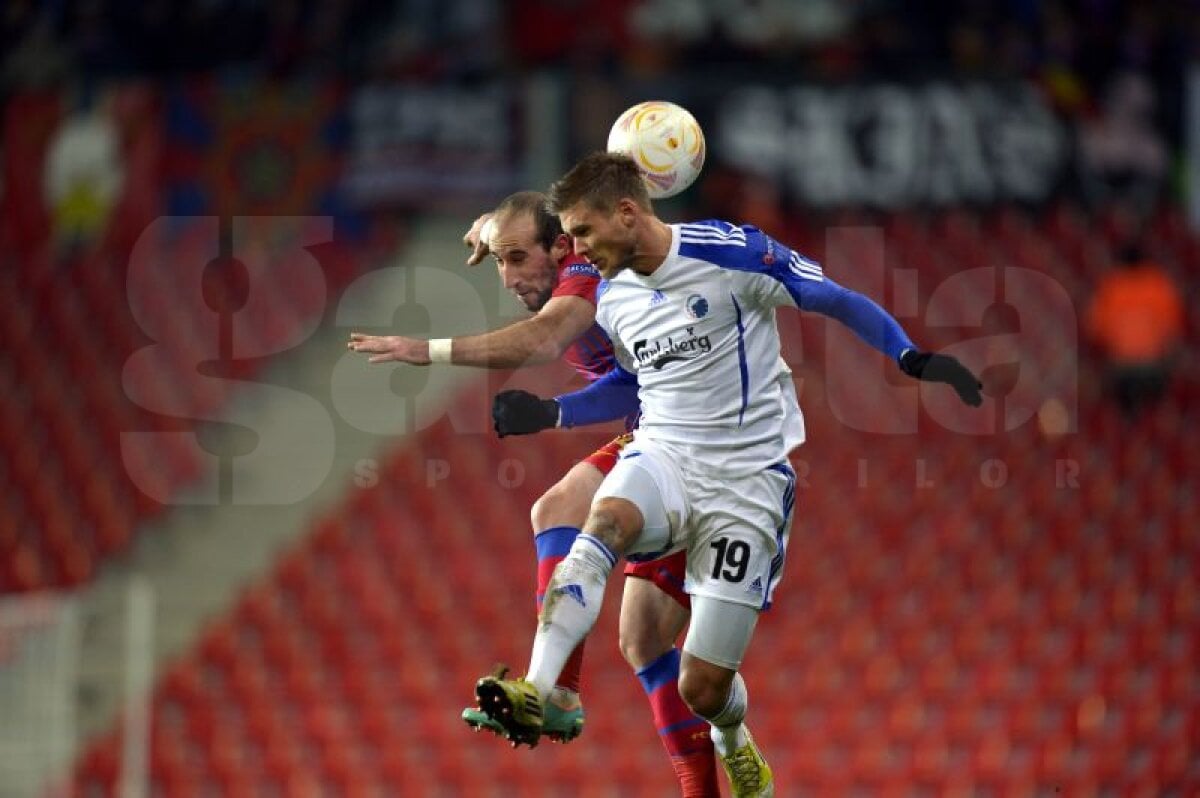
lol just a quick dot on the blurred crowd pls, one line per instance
(1075, 47)
(1113, 70)
(1116, 67)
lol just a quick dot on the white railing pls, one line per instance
(39, 661)
(41, 643)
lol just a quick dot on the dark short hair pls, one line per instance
(533, 203)
(601, 179)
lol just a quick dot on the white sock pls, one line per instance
(728, 731)
(569, 610)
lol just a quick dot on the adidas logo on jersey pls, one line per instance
(657, 298)
(756, 586)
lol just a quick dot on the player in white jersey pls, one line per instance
(690, 310)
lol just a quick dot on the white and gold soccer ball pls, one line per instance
(665, 141)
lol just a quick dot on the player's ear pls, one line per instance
(627, 211)
(561, 247)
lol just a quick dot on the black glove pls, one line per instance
(522, 413)
(943, 368)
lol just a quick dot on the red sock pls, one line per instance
(684, 735)
(552, 545)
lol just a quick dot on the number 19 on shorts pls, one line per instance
(732, 558)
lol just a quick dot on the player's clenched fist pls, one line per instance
(522, 413)
(390, 348)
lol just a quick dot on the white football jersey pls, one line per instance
(700, 335)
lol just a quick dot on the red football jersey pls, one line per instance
(591, 354)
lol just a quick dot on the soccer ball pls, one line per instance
(665, 141)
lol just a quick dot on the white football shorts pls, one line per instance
(735, 529)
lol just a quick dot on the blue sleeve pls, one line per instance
(613, 396)
(748, 249)
(872, 323)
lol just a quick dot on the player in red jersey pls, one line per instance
(538, 266)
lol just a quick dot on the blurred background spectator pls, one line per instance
(1123, 158)
(1136, 318)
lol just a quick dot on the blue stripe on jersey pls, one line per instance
(745, 249)
(803, 267)
(789, 503)
(719, 242)
(660, 672)
(715, 233)
(743, 367)
(713, 230)
(748, 249)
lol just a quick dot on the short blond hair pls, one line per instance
(600, 180)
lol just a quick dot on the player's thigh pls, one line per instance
(567, 502)
(713, 652)
(651, 621)
(646, 479)
(719, 635)
(736, 550)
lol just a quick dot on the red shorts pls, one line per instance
(607, 455)
(667, 572)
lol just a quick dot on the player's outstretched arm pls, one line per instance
(390, 348)
(748, 249)
(611, 397)
(811, 289)
(877, 327)
(539, 339)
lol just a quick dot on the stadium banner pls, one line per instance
(252, 146)
(447, 147)
(892, 145)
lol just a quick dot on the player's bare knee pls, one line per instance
(614, 522)
(641, 643)
(554, 508)
(704, 686)
(633, 647)
(542, 515)
(703, 694)
(564, 504)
